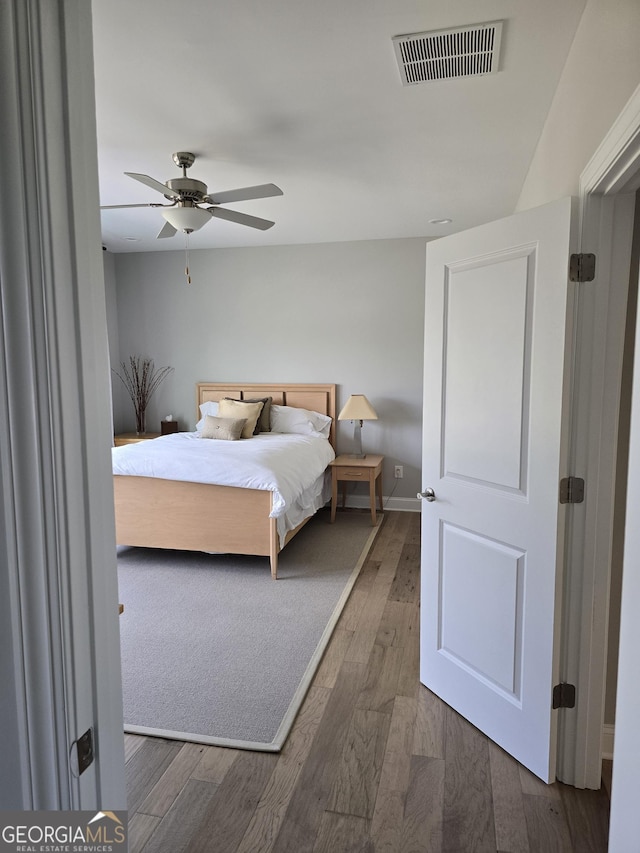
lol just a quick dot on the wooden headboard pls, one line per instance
(318, 398)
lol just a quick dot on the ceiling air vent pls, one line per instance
(447, 54)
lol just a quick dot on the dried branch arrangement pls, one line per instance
(141, 379)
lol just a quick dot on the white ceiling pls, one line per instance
(307, 94)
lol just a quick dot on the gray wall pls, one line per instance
(349, 313)
(601, 73)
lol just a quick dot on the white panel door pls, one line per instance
(496, 355)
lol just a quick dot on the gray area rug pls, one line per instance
(214, 651)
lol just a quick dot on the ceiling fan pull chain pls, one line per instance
(186, 249)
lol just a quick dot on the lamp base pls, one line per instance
(357, 441)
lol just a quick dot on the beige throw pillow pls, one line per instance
(264, 421)
(234, 409)
(227, 429)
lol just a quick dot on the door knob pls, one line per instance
(428, 495)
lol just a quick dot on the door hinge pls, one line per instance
(582, 267)
(82, 753)
(564, 696)
(571, 490)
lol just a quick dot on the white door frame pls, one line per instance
(606, 223)
(59, 633)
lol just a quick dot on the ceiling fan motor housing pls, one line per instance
(188, 188)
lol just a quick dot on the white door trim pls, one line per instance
(60, 651)
(606, 220)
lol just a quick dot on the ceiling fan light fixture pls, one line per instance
(187, 219)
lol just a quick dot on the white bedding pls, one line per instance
(291, 466)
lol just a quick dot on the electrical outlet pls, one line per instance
(398, 472)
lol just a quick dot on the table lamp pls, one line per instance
(357, 409)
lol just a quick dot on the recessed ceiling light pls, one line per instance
(440, 221)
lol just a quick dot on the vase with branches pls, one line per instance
(141, 379)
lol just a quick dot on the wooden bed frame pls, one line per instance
(157, 513)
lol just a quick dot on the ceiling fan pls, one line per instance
(186, 195)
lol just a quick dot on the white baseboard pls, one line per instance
(397, 504)
(607, 741)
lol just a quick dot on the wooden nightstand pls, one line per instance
(133, 438)
(349, 469)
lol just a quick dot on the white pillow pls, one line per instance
(302, 421)
(208, 408)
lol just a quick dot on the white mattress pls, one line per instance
(291, 466)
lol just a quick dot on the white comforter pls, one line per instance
(289, 465)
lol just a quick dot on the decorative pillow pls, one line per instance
(227, 429)
(228, 408)
(303, 421)
(208, 408)
(264, 421)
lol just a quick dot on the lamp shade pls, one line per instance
(357, 408)
(187, 218)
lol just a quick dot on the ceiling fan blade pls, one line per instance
(167, 230)
(245, 193)
(240, 218)
(155, 185)
(119, 206)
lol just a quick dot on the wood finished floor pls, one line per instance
(375, 763)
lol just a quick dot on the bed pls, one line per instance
(163, 512)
